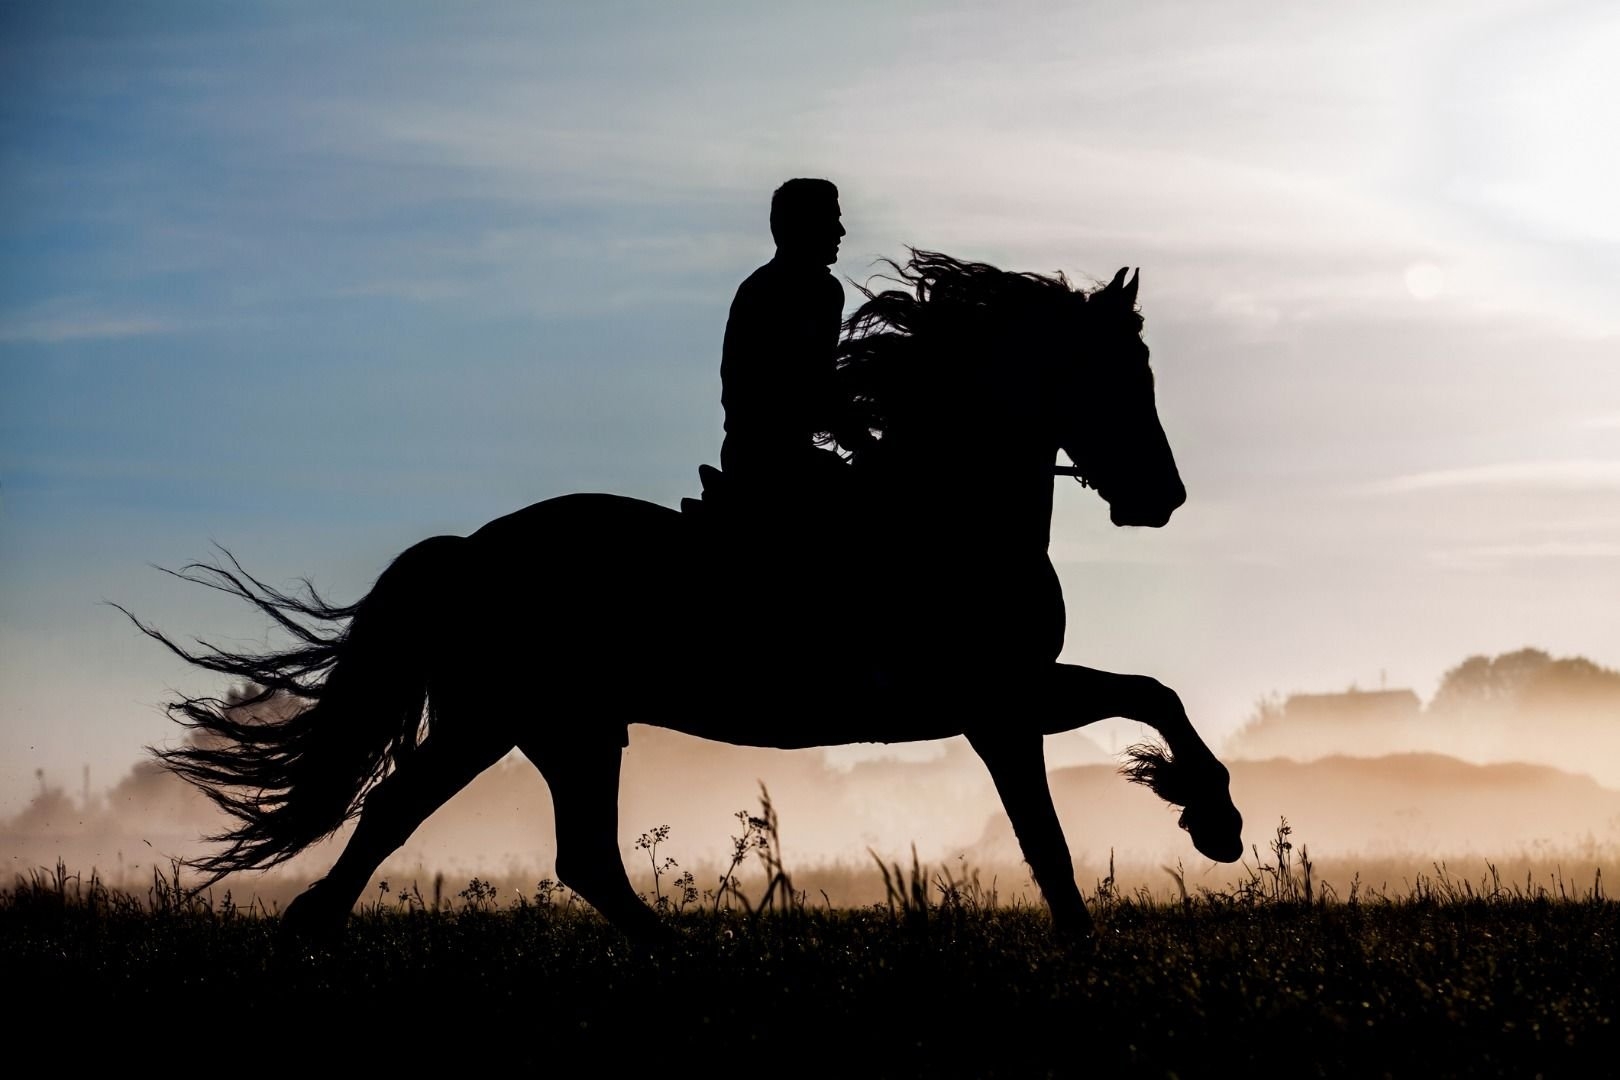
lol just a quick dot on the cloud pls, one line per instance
(425, 290)
(1246, 312)
(52, 331)
(1495, 555)
(1569, 475)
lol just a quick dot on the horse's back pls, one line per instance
(591, 516)
(596, 574)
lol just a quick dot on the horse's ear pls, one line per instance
(1119, 278)
(1130, 287)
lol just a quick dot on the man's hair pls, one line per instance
(793, 198)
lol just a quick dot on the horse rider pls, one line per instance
(777, 363)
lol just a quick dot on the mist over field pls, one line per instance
(1523, 706)
(1514, 762)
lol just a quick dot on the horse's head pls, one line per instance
(1109, 422)
(1018, 362)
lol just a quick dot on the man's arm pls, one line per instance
(828, 406)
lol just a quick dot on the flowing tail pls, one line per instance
(292, 757)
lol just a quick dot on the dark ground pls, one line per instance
(1511, 985)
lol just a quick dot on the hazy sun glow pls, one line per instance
(1534, 130)
(1425, 281)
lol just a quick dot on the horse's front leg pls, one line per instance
(1017, 763)
(1082, 695)
(1190, 776)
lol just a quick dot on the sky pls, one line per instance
(313, 284)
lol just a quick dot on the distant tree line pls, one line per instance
(1523, 680)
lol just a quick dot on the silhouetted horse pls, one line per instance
(924, 607)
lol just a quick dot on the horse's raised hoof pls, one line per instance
(1216, 830)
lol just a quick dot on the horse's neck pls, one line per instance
(995, 495)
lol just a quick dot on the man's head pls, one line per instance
(805, 220)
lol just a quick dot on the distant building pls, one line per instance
(1350, 707)
(1307, 726)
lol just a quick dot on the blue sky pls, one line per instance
(316, 284)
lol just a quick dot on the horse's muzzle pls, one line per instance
(1139, 516)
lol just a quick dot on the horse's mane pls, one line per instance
(948, 311)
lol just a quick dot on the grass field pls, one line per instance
(1449, 979)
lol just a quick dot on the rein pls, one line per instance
(1071, 470)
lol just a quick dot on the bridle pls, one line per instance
(1074, 471)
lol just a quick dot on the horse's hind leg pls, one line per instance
(584, 779)
(393, 810)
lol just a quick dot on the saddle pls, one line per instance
(747, 519)
(799, 503)
(802, 620)
(715, 499)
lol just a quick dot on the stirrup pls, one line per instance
(714, 497)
